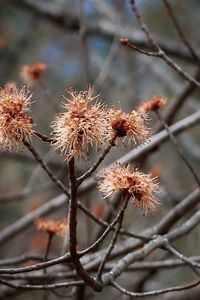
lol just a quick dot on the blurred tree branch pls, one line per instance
(100, 27)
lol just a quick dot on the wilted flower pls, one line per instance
(59, 228)
(15, 125)
(154, 104)
(131, 126)
(82, 125)
(31, 74)
(141, 187)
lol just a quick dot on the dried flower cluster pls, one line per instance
(142, 187)
(154, 104)
(31, 74)
(15, 125)
(82, 125)
(85, 124)
(131, 126)
(59, 228)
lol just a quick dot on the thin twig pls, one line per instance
(105, 233)
(20, 259)
(193, 265)
(43, 137)
(50, 237)
(114, 239)
(45, 168)
(156, 292)
(158, 242)
(163, 264)
(97, 163)
(175, 106)
(41, 287)
(180, 31)
(130, 45)
(158, 51)
(179, 149)
(39, 266)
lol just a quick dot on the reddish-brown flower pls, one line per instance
(83, 125)
(129, 126)
(59, 228)
(154, 104)
(31, 74)
(141, 187)
(15, 125)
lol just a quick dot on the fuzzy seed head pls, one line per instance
(154, 104)
(82, 125)
(130, 126)
(32, 74)
(141, 187)
(15, 125)
(59, 228)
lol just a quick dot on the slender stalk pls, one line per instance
(73, 233)
(105, 233)
(97, 163)
(114, 239)
(45, 168)
(50, 237)
(43, 137)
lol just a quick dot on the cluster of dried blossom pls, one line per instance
(15, 124)
(85, 124)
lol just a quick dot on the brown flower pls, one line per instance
(52, 227)
(142, 187)
(31, 74)
(130, 126)
(15, 125)
(154, 104)
(81, 126)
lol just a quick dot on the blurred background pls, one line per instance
(78, 41)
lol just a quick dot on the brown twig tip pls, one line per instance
(43, 137)
(32, 74)
(15, 124)
(142, 187)
(52, 227)
(153, 105)
(124, 41)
